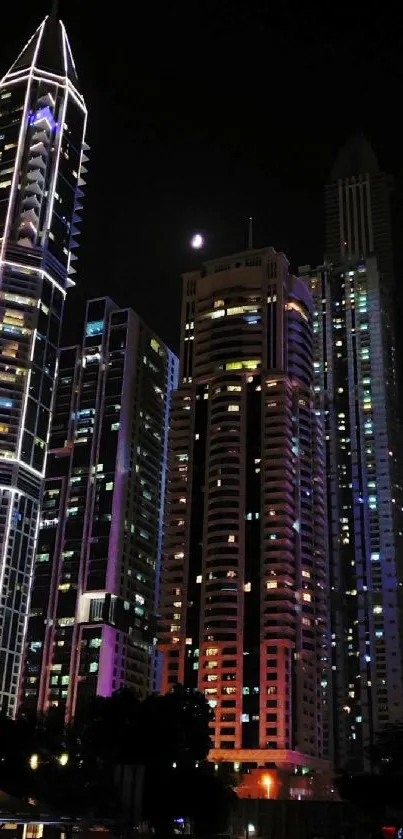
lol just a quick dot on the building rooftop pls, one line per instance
(356, 157)
(48, 50)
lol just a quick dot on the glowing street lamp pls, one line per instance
(63, 759)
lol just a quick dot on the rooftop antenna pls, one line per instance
(250, 234)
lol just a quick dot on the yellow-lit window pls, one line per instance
(233, 408)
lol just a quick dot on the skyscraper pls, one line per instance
(244, 584)
(42, 126)
(92, 617)
(355, 384)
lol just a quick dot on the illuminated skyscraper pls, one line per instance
(42, 126)
(244, 584)
(356, 388)
(92, 616)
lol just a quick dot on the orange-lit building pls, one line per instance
(245, 577)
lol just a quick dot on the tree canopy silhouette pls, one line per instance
(117, 747)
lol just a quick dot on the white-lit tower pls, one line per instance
(42, 152)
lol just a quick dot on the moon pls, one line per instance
(197, 241)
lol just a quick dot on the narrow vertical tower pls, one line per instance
(356, 387)
(244, 584)
(42, 127)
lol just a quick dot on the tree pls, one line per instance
(116, 749)
(377, 796)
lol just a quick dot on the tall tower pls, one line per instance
(244, 584)
(92, 618)
(42, 126)
(355, 384)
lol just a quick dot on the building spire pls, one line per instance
(54, 12)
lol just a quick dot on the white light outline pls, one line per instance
(44, 274)
(28, 75)
(11, 202)
(20, 149)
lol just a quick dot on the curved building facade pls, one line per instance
(244, 585)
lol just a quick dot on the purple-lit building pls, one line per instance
(92, 620)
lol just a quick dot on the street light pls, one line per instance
(34, 761)
(64, 759)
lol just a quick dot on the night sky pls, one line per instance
(203, 113)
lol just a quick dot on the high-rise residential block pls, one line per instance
(92, 620)
(244, 588)
(356, 391)
(42, 127)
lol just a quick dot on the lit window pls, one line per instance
(233, 408)
(199, 578)
(109, 486)
(231, 538)
(94, 327)
(307, 597)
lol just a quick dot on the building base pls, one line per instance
(277, 774)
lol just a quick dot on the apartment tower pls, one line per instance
(245, 580)
(356, 390)
(92, 627)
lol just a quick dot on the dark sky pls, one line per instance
(203, 113)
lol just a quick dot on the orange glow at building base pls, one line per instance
(259, 783)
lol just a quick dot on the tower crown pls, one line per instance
(47, 51)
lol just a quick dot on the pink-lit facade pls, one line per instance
(244, 592)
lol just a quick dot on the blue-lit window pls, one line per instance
(94, 327)
(5, 403)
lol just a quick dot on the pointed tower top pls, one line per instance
(48, 49)
(356, 157)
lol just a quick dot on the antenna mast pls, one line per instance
(250, 233)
